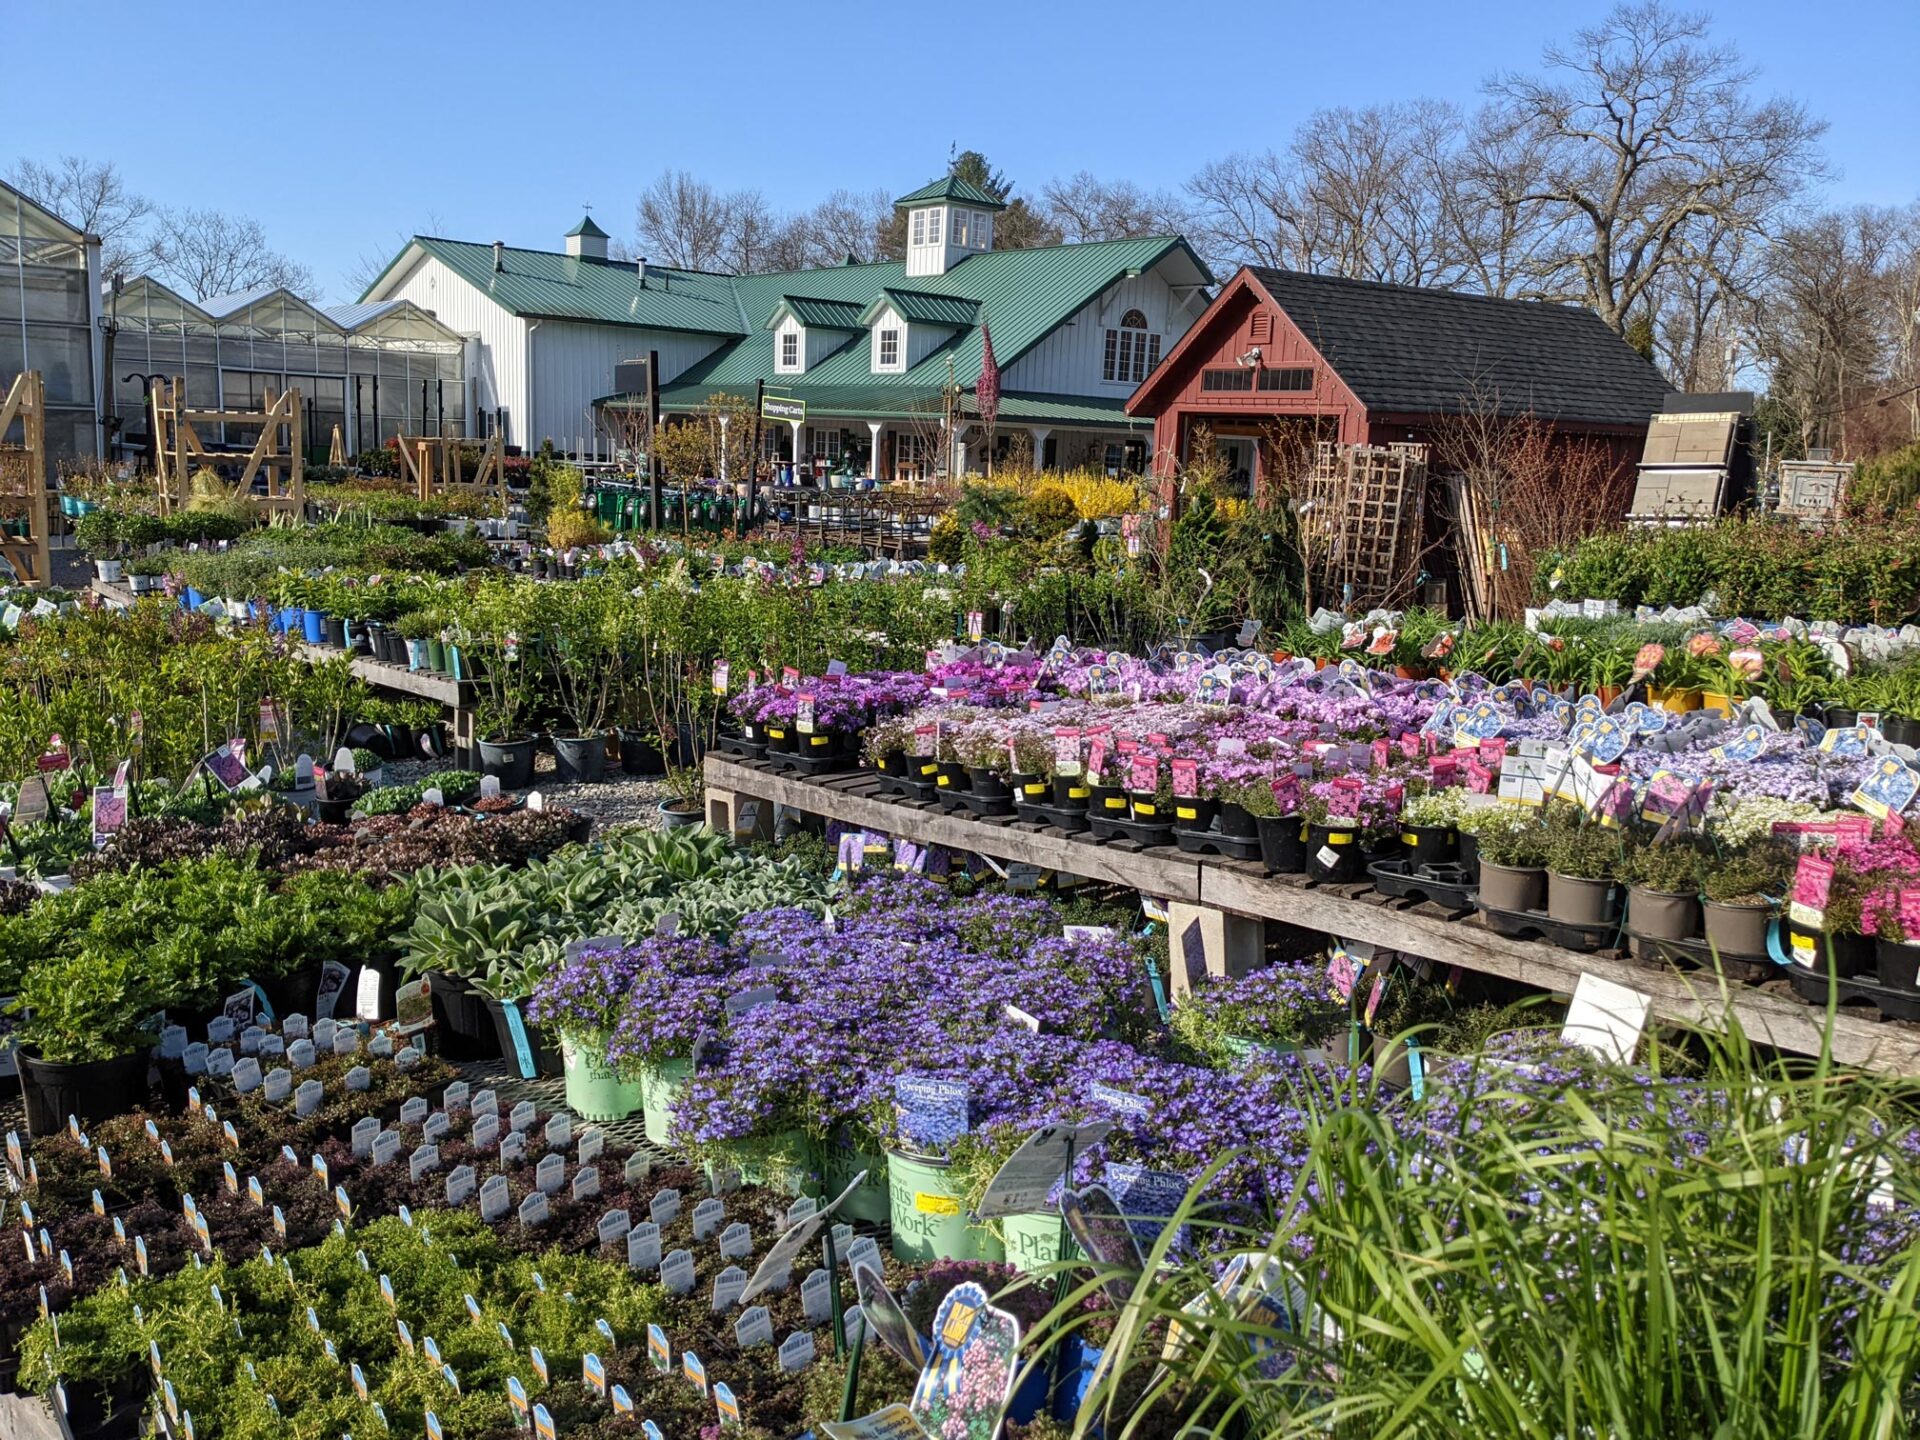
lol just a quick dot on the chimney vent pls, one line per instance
(499, 255)
(640, 267)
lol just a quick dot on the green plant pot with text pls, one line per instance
(597, 1090)
(1034, 1239)
(660, 1092)
(929, 1214)
(839, 1163)
(784, 1162)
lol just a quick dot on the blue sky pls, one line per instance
(341, 125)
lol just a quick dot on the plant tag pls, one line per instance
(221, 1064)
(435, 1126)
(676, 1272)
(194, 1058)
(559, 1131)
(801, 1209)
(381, 1046)
(386, 1147)
(460, 1184)
(307, 1098)
(406, 1058)
(413, 1110)
(639, 1165)
(695, 1371)
(494, 1199)
(707, 1216)
(278, 1084)
(864, 1250)
(613, 1225)
(456, 1097)
(513, 1147)
(522, 1116)
(550, 1174)
(592, 1141)
(736, 1241)
(484, 1102)
(324, 1030)
(486, 1130)
(533, 1210)
(727, 1286)
(796, 1351)
(643, 1246)
(755, 1327)
(1812, 882)
(360, 1078)
(664, 1208)
(622, 1401)
(586, 1184)
(246, 1075)
(815, 1297)
(423, 1161)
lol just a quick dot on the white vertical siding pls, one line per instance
(1070, 361)
(496, 366)
(573, 366)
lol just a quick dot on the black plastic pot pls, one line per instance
(465, 1028)
(335, 632)
(90, 1089)
(1900, 730)
(1070, 792)
(292, 993)
(1897, 965)
(1236, 822)
(333, 812)
(1852, 954)
(988, 784)
(1838, 717)
(1283, 844)
(510, 760)
(1146, 808)
(1192, 813)
(545, 1048)
(108, 1412)
(579, 759)
(1032, 789)
(781, 738)
(1107, 802)
(1333, 855)
(950, 776)
(638, 755)
(1431, 844)
(1470, 851)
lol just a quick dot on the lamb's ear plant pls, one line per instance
(1546, 1246)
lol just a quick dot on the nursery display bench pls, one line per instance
(1218, 907)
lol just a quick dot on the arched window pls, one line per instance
(1132, 350)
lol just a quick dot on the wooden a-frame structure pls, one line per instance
(23, 479)
(432, 464)
(277, 454)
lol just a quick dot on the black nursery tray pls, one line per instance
(743, 747)
(808, 764)
(984, 805)
(1698, 955)
(1212, 842)
(1811, 986)
(1129, 830)
(913, 789)
(1448, 886)
(1061, 817)
(1538, 925)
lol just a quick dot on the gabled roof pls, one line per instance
(953, 188)
(1404, 349)
(817, 314)
(588, 228)
(918, 307)
(221, 306)
(1028, 294)
(542, 285)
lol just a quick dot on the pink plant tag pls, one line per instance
(1186, 778)
(1410, 744)
(1910, 912)
(1445, 770)
(1479, 777)
(1382, 754)
(1143, 775)
(1493, 750)
(1812, 882)
(1096, 755)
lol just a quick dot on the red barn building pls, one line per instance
(1327, 358)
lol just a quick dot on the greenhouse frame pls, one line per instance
(375, 371)
(49, 289)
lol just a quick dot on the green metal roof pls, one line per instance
(588, 228)
(817, 314)
(953, 188)
(918, 307)
(893, 402)
(539, 284)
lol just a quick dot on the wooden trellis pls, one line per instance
(1362, 528)
(23, 480)
(276, 453)
(432, 463)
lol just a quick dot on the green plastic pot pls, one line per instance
(1033, 1240)
(595, 1089)
(839, 1163)
(784, 1162)
(929, 1214)
(660, 1089)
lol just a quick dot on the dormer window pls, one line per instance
(886, 348)
(789, 350)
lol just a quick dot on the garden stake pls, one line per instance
(1060, 1256)
(850, 1391)
(833, 1298)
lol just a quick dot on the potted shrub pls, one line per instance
(500, 622)
(143, 573)
(334, 793)
(1282, 830)
(1429, 826)
(1583, 861)
(1106, 788)
(684, 806)
(1512, 848)
(1032, 762)
(982, 748)
(1742, 892)
(1352, 822)
(580, 632)
(1663, 891)
(82, 1036)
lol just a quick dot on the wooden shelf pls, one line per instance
(1769, 1014)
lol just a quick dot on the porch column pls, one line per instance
(873, 463)
(724, 418)
(796, 424)
(957, 465)
(1039, 434)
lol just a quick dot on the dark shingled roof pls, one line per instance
(1400, 348)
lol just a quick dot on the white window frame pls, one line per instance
(962, 229)
(933, 224)
(919, 223)
(1131, 351)
(981, 220)
(823, 443)
(781, 363)
(883, 335)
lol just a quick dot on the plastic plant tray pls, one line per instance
(743, 747)
(1811, 986)
(1537, 924)
(1061, 817)
(914, 789)
(1130, 830)
(1445, 885)
(1698, 955)
(1212, 842)
(984, 806)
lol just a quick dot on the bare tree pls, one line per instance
(683, 222)
(203, 253)
(94, 198)
(847, 223)
(1646, 130)
(1084, 208)
(1248, 209)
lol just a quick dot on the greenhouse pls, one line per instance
(49, 273)
(373, 371)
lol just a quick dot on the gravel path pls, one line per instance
(616, 799)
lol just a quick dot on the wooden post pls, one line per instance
(653, 433)
(26, 401)
(753, 460)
